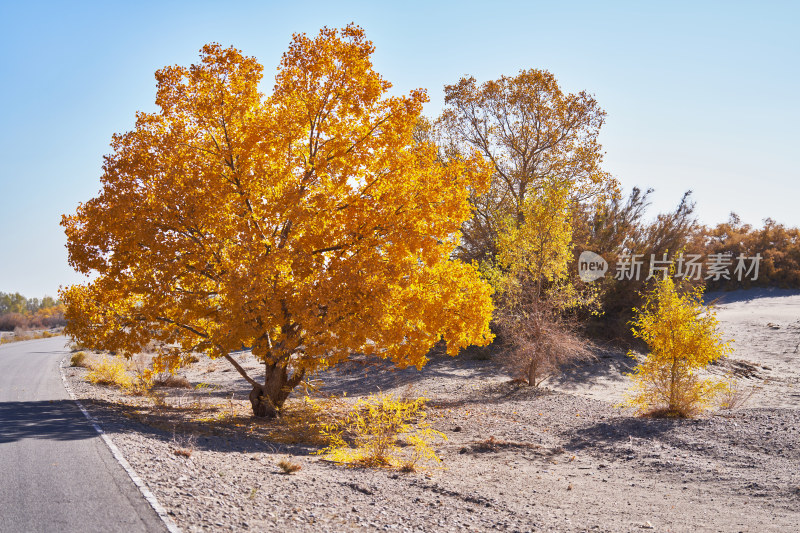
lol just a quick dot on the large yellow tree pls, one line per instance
(308, 224)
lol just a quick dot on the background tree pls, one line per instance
(13, 303)
(778, 246)
(534, 136)
(682, 337)
(542, 147)
(308, 224)
(18, 312)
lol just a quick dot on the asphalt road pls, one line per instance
(56, 473)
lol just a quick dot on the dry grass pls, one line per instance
(408, 467)
(183, 446)
(735, 395)
(493, 444)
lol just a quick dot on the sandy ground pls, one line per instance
(515, 459)
(765, 327)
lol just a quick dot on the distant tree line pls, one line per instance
(18, 312)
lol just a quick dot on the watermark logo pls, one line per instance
(591, 266)
(716, 267)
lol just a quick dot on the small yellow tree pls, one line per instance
(533, 291)
(683, 339)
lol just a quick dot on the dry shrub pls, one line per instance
(158, 398)
(23, 334)
(371, 434)
(78, 359)
(12, 321)
(192, 359)
(489, 445)
(735, 394)
(539, 342)
(778, 245)
(288, 467)
(407, 467)
(41, 320)
(618, 227)
(183, 446)
(172, 381)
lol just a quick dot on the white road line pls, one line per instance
(146, 492)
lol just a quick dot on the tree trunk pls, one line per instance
(263, 406)
(267, 399)
(532, 372)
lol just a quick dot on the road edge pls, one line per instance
(172, 527)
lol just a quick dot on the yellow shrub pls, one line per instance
(110, 371)
(683, 339)
(372, 432)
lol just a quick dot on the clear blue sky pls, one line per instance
(699, 95)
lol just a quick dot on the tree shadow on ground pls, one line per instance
(496, 393)
(613, 433)
(49, 420)
(747, 295)
(371, 375)
(168, 425)
(610, 365)
(365, 375)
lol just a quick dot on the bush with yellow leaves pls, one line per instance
(683, 339)
(110, 371)
(372, 432)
